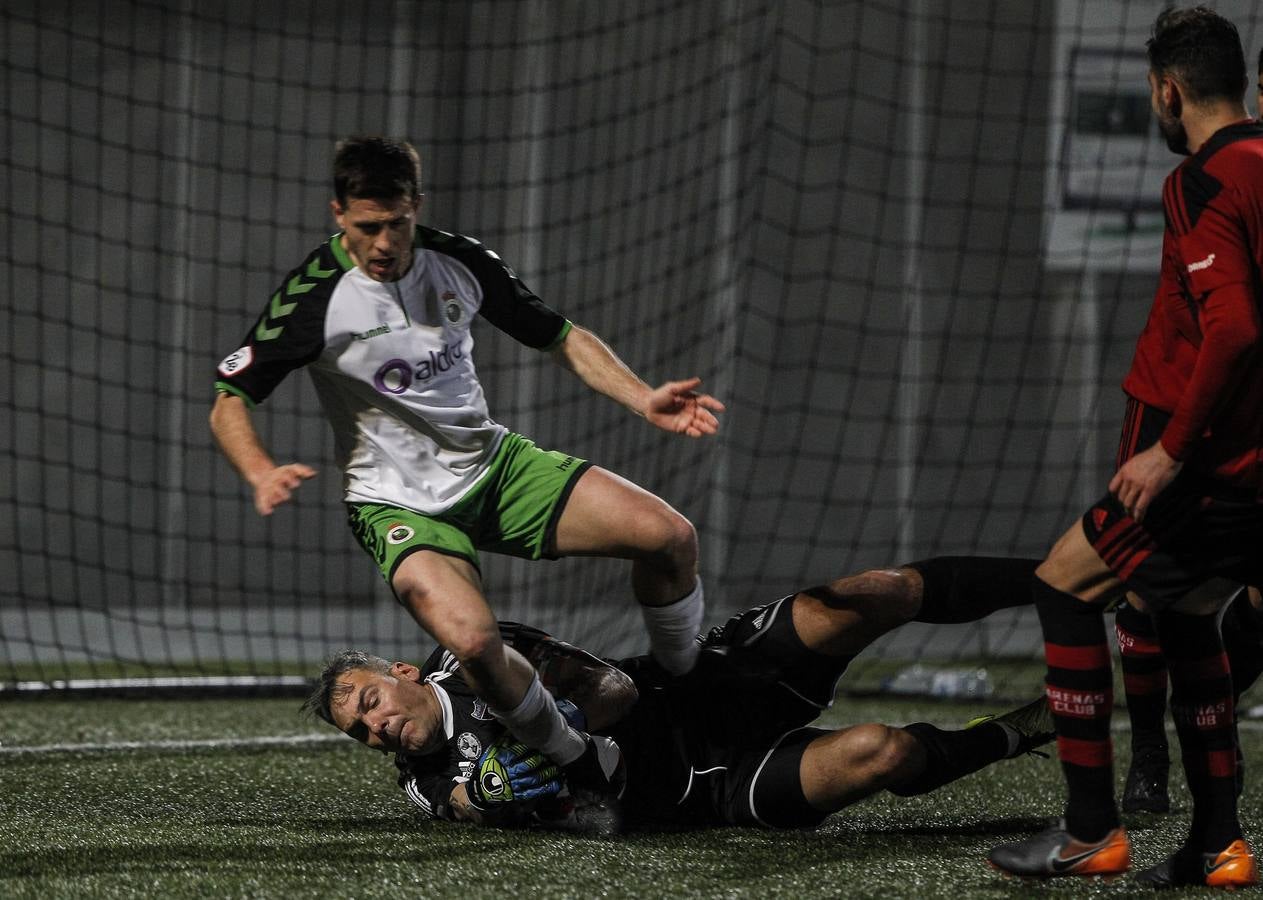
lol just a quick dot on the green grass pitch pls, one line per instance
(324, 819)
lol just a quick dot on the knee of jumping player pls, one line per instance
(670, 543)
(476, 648)
(468, 629)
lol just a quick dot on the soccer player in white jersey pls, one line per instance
(380, 317)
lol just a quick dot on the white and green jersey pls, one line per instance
(393, 363)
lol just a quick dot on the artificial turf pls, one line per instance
(325, 819)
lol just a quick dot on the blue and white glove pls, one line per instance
(510, 772)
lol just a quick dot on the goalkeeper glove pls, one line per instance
(510, 772)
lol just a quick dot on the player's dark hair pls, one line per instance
(1202, 50)
(375, 168)
(320, 703)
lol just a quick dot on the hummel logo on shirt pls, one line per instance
(371, 333)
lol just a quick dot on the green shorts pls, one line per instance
(513, 510)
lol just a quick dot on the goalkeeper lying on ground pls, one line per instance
(728, 743)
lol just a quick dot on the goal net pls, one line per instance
(910, 245)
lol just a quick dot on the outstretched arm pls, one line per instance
(674, 406)
(235, 434)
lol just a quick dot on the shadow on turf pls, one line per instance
(1014, 825)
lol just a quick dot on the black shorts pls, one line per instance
(762, 643)
(1194, 530)
(745, 719)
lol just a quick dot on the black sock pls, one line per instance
(1080, 692)
(1144, 677)
(967, 588)
(953, 754)
(1201, 704)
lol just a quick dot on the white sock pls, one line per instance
(673, 631)
(538, 723)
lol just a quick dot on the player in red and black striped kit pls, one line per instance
(1184, 513)
(1145, 677)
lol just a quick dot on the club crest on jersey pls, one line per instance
(469, 745)
(399, 533)
(236, 362)
(451, 308)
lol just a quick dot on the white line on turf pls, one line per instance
(292, 740)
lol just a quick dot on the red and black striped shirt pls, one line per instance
(1197, 357)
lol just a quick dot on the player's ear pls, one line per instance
(405, 671)
(1172, 95)
(338, 211)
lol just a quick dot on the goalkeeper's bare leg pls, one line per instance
(811, 772)
(842, 618)
(846, 615)
(842, 767)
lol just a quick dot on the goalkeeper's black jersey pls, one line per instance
(693, 746)
(656, 770)
(429, 778)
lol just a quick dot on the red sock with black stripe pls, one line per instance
(1080, 692)
(1144, 678)
(1202, 706)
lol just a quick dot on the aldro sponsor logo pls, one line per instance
(397, 375)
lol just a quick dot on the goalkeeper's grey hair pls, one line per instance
(328, 687)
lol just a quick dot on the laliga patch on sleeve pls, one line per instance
(236, 362)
